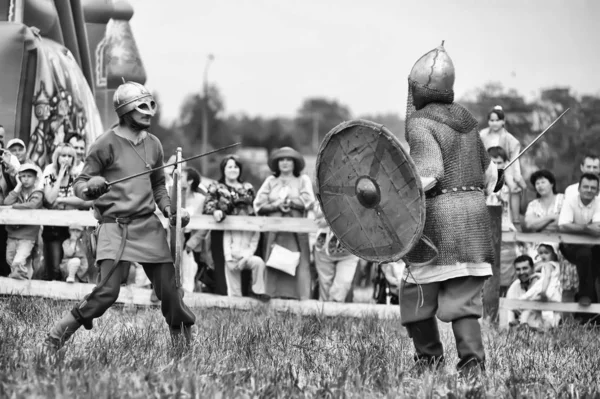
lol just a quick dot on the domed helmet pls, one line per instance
(133, 96)
(432, 78)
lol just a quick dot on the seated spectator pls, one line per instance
(546, 288)
(58, 194)
(589, 164)
(78, 143)
(581, 215)
(74, 264)
(508, 251)
(335, 265)
(18, 149)
(497, 136)
(21, 239)
(287, 193)
(524, 271)
(233, 251)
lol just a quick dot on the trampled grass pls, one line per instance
(264, 354)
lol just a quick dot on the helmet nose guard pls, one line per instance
(132, 96)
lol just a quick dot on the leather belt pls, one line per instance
(435, 193)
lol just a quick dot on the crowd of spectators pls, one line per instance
(300, 265)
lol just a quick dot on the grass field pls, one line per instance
(260, 354)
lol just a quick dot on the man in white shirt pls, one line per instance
(589, 164)
(581, 215)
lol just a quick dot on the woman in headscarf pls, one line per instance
(287, 193)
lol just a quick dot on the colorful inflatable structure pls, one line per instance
(60, 62)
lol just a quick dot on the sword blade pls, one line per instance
(172, 164)
(536, 139)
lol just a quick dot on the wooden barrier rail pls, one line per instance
(508, 305)
(204, 222)
(45, 217)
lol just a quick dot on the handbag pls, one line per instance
(283, 259)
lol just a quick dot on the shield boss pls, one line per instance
(369, 191)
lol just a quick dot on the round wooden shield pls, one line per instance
(369, 191)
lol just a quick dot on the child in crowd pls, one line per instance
(74, 264)
(27, 194)
(547, 288)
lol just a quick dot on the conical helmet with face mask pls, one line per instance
(133, 96)
(431, 80)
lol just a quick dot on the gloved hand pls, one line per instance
(185, 217)
(96, 187)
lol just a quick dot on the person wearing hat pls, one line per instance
(18, 149)
(21, 239)
(74, 265)
(287, 193)
(129, 230)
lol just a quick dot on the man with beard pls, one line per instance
(456, 172)
(129, 230)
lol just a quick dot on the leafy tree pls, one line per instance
(316, 117)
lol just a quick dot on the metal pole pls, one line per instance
(209, 59)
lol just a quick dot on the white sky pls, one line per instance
(272, 54)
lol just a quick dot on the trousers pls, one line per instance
(458, 300)
(162, 276)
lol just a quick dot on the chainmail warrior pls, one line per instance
(128, 230)
(450, 156)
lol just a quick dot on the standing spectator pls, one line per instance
(508, 251)
(74, 264)
(78, 144)
(58, 194)
(233, 251)
(18, 149)
(194, 203)
(286, 193)
(581, 215)
(2, 136)
(335, 265)
(21, 239)
(589, 164)
(497, 136)
(9, 168)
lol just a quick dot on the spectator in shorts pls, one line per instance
(74, 264)
(581, 215)
(21, 239)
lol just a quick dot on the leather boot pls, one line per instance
(426, 337)
(469, 346)
(62, 331)
(181, 337)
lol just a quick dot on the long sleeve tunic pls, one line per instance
(114, 157)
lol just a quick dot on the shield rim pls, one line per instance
(411, 165)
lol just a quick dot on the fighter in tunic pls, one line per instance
(129, 230)
(450, 156)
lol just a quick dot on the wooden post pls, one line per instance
(491, 288)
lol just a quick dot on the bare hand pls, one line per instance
(285, 208)
(218, 215)
(594, 229)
